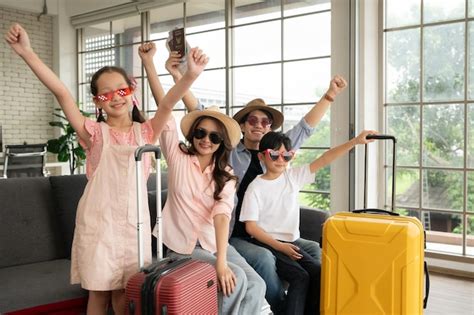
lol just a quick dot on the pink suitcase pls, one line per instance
(184, 286)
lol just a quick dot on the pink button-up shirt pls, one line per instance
(190, 206)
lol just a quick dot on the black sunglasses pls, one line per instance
(214, 137)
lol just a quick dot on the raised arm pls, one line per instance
(172, 63)
(336, 86)
(332, 154)
(146, 52)
(19, 41)
(197, 61)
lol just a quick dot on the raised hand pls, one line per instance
(361, 138)
(197, 61)
(172, 64)
(146, 51)
(290, 250)
(336, 86)
(18, 39)
(226, 278)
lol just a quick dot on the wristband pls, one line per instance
(328, 97)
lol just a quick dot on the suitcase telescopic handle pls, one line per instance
(138, 158)
(394, 141)
(147, 148)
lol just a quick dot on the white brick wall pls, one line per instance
(26, 106)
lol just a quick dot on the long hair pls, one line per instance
(273, 140)
(220, 157)
(136, 115)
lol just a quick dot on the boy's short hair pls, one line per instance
(273, 140)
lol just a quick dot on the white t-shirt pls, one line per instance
(273, 204)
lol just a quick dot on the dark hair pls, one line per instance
(221, 156)
(244, 118)
(136, 115)
(273, 140)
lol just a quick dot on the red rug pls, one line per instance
(70, 307)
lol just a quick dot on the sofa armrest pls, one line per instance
(311, 223)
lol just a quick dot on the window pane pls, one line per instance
(161, 56)
(167, 83)
(443, 80)
(292, 7)
(127, 30)
(257, 82)
(301, 85)
(470, 235)
(404, 123)
(443, 189)
(441, 10)
(257, 43)
(253, 11)
(315, 200)
(93, 61)
(403, 66)
(470, 136)
(209, 88)
(402, 12)
(298, 30)
(443, 135)
(407, 188)
(98, 36)
(322, 180)
(321, 136)
(166, 18)
(471, 8)
(204, 16)
(85, 95)
(213, 45)
(443, 232)
(470, 73)
(470, 192)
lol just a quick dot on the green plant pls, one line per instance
(66, 146)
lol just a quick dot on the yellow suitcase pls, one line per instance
(373, 262)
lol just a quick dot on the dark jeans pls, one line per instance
(303, 276)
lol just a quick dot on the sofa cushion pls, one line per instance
(36, 284)
(67, 190)
(311, 223)
(29, 228)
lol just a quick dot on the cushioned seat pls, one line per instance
(36, 283)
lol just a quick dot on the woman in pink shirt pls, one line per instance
(201, 189)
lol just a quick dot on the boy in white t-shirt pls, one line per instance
(271, 211)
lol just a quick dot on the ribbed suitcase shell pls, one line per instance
(190, 288)
(372, 264)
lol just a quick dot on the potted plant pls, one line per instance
(66, 146)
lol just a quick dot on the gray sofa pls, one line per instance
(37, 216)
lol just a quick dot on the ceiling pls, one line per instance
(73, 7)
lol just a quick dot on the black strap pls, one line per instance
(427, 285)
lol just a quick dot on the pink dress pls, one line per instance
(104, 251)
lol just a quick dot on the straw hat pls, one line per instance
(231, 126)
(259, 104)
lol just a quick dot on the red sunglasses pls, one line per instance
(254, 121)
(274, 155)
(108, 96)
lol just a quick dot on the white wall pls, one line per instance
(25, 104)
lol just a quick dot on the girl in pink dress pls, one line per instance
(104, 253)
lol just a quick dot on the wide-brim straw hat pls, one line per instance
(231, 126)
(259, 104)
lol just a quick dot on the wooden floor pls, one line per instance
(450, 295)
